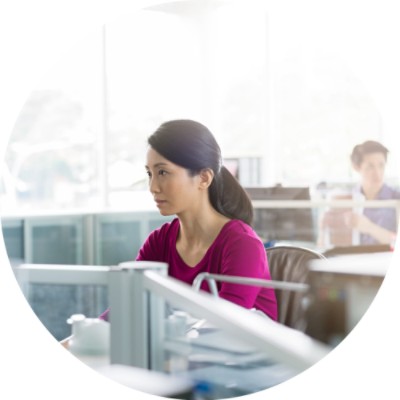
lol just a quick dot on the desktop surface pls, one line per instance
(342, 289)
(229, 367)
(371, 264)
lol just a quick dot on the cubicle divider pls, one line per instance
(108, 238)
(98, 238)
(139, 293)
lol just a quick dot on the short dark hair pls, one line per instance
(191, 145)
(368, 147)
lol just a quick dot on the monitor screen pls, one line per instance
(283, 224)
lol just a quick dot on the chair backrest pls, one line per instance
(291, 264)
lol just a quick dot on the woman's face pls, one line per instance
(372, 170)
(173, 189)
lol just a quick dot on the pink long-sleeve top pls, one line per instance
(237, 251)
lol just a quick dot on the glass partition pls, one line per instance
(75, 239)
(112, 238)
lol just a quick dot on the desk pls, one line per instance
(204, 359)
(225, 366)
(371, 264)
(343, 288)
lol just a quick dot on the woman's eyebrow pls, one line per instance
(160, 164)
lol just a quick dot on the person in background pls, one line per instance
(376, 225)
(212, 230)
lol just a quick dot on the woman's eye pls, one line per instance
(162, 172)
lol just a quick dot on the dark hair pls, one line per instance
(191, 145)
(368, 147)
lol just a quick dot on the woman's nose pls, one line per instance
(153, 186)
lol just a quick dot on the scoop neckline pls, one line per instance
(202, 261)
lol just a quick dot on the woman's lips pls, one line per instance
(160, 202)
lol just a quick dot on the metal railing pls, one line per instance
(212, 278)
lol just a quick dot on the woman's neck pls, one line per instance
(196, 235)
(202, 228)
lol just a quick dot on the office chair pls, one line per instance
(291, 264)
(289, 277)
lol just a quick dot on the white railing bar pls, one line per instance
(283, 344)
(330, 203)
(280, 285)
(62, 274)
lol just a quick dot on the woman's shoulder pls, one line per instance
(238, 238)
(237, 230)
(166, 229)
(237, 225)
(158, 242)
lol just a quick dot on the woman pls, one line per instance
(211, 231)
(376, 225)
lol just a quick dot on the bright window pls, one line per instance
(284, 107)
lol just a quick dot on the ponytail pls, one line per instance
(229, 198)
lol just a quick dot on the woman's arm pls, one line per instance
(65, 342)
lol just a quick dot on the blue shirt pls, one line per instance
(385, 217)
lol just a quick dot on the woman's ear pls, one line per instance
(206, 178)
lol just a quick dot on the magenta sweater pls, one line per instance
(237, 251)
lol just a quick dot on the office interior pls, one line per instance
(286, 110)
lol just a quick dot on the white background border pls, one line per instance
(32, 35)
